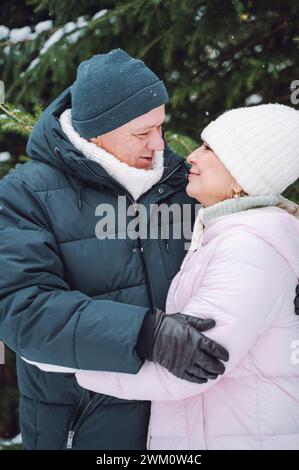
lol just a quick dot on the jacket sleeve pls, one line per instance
(234, 293)
(41, 318)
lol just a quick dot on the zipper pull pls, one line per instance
(70, 438)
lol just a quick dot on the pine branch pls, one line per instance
(180, 144)
(18, 121)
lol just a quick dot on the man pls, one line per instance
(75, 299)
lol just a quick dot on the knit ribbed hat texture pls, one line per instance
(259, 145)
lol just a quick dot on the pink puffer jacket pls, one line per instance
(244, 277)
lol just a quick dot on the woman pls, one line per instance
(241, 270)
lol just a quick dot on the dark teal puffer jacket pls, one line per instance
(70, 299)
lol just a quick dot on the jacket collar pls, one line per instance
(231, 206)
(224, 208)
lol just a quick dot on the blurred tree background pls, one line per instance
(212, 55)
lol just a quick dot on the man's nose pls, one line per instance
(155, 141)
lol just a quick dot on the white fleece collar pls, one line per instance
(136, 181)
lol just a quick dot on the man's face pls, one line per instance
(136, 141)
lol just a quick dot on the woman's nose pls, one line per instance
(194, 157)
(191, 158)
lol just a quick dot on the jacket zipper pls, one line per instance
(80, 413)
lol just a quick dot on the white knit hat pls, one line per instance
(259, 145)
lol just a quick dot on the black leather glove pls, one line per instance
(179, 345)
(296, 301)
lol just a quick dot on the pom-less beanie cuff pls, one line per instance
(132, 107)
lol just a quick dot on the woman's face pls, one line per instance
(209, 181)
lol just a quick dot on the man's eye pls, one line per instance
(142, 135)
